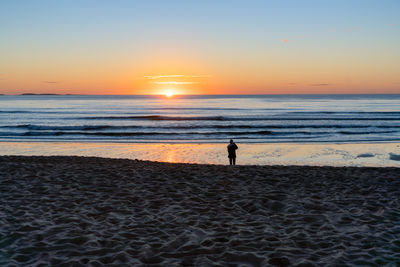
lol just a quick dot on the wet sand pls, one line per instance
(116, 212)
(321, 154)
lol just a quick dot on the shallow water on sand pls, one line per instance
(377, 154)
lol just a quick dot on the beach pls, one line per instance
(101, 211)
(199, 133)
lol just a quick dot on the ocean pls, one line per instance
(201, 119)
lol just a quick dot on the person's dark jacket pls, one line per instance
(232, 150)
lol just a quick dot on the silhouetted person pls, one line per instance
(232, 152)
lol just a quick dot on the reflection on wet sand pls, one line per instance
(379, 154)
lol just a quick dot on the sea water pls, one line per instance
(201, 119)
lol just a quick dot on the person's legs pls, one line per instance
(234, 160)
(230, 161)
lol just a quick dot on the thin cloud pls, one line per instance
(176, 83)
(50, 81)
(176, 79)
(284, 40)
(198, 76)
(151, 77)
(156, 77)
(320, 84)
(390, 24)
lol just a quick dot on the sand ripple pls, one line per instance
(94, 211)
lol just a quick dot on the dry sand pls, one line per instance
(115, 212)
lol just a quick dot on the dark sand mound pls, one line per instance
(75, 210)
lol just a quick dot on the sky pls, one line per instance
(200, 47)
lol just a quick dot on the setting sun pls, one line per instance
(169, 93)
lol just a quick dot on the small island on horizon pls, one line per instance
(43, 94)
(38, 94)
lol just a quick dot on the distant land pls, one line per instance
(43, 94)
(38, 94)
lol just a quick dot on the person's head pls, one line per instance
(231, 141)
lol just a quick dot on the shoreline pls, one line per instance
(198, 143)
(299, 154)
(102, 211)
(183, 164)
